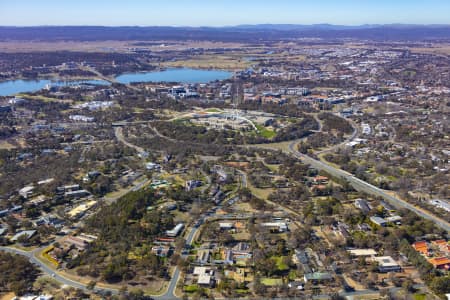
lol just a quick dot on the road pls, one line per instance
(357, 183)
(367, 187)
(31, 255)
(118, 131)
(170, 293)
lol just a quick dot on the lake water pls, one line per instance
(183, 75)
(13, 87)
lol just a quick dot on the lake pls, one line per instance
(183, 75)
(12, 87)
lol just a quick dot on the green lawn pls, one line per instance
(280, 264)
(191, 288)
(420, 296)
(271, 281)
(213, 110)
(264, 132)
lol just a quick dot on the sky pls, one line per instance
(221, 12)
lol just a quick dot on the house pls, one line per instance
(394, 219)
(421, 247)
(162, 240)
(80, 210)
(317, 277)
(75, 242)
(203, 256)
(362, 205)
(175, 231)
(46, 181)
(442, 204)
(205, 276)
(226, 226)
(276, 226)
(26, 191)
(49, 220)
(81, 118)
(192, 184)
(442, 263)
(442, 245)
(379, 221)
(320, 180)
(161, 251)
(157, 184)
(91, 176)
(362, 252)
(239, 274)
(387, 264)
(76, 194)
(26, 234)
(152, 166)
(204, 280)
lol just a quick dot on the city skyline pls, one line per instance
(221, 13)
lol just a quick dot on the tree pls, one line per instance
(180, 242)
(91, 285)
(441, 285)
(408, 285)
(17, 274)
(137, 294)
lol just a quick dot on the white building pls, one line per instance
(175, 231)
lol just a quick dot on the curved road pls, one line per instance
(63, 280)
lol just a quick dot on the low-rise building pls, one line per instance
(362, 205)
(318, 277)
(278, 226)
(362, 252)
(387, 264)
(175, 231)
(25, 234)
(379, 221)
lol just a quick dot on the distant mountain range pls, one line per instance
(248, 33)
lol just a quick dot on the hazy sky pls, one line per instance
(221, 12)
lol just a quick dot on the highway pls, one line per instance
(361, 185)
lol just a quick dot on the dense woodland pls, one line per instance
(124, 227)
(17, 274)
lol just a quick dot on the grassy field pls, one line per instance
(271, 281)
(264, 132)
(261, 193)
(210, 62)
(191, 288)
(213, 110)
(280, 264)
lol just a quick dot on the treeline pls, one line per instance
(19, 61)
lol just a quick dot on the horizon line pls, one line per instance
(236, 25)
